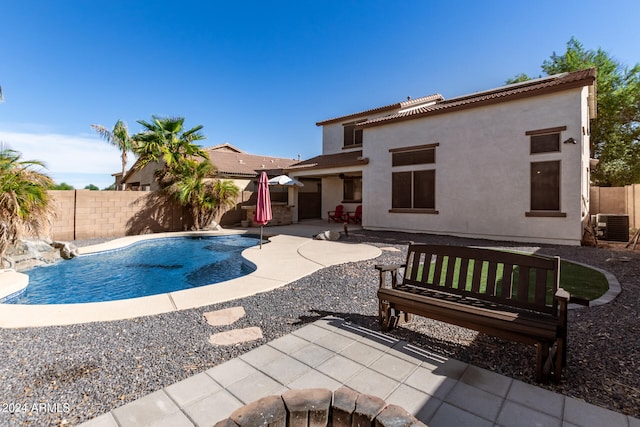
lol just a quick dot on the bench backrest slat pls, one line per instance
(521, 280)
(477, 276)
(523, 285)
(464, 271)
(437, 274)
(541, 286)
(506, 290)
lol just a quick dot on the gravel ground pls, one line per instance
(82, 371)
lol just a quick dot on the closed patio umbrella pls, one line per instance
(263, 206)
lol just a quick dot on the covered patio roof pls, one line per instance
(330, 161)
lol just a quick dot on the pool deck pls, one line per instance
(284, 259)
(331, 353)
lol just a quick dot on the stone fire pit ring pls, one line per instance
(319, 407)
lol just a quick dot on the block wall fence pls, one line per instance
(85, 214)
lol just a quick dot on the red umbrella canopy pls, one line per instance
(263, 207)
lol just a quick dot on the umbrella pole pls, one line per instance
(261, 236)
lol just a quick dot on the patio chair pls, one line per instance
(356, 216)
(337, 215)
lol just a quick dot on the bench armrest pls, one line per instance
(561, 294)
(388, 268)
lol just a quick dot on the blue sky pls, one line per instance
(260, 74)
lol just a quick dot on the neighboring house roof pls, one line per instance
(241, 164)
(225, 147)
(408, 104)
(550, 84)
(230, 161)
(328, 161)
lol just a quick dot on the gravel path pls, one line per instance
(81, 371)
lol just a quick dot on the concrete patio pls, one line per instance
(331, 353)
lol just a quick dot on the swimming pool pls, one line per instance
(145, 268)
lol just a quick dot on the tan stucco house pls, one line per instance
(510, 163)
(231, 163)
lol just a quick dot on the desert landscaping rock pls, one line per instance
(227, 316)
(236, 336)
(97, 367)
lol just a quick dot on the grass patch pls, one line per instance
(581, 281)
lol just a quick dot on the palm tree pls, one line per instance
(164, 139)
(193, 184)
(225, 194)
(119, 138)
(25, 206)
(187, 175)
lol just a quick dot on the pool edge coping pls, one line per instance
(264, 278)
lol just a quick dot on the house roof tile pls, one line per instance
(243, 164)
(539, 86)
(397, 106)
(328, 161)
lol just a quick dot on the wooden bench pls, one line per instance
(509, 295)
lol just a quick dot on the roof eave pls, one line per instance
(587, 81)
(359, 162)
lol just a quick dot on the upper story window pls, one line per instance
(352, 135)
(418, 155)
(545, 140)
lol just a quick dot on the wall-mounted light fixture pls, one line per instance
(569, 141)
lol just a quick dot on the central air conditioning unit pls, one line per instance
(612, 227)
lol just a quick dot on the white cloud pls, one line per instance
(68, 157)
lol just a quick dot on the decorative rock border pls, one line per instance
(319, 407)
(613, 291)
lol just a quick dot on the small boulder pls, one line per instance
(328, 235)
(68, 251)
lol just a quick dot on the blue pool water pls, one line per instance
(146, 268)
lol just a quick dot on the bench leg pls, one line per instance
(542, 355)
(561, 360)
(384, 314)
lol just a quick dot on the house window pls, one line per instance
(545, 189)
(352, 136)
(413, 191)
(352, 190)
(401, 184)
(545, 140)
(414, 157)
